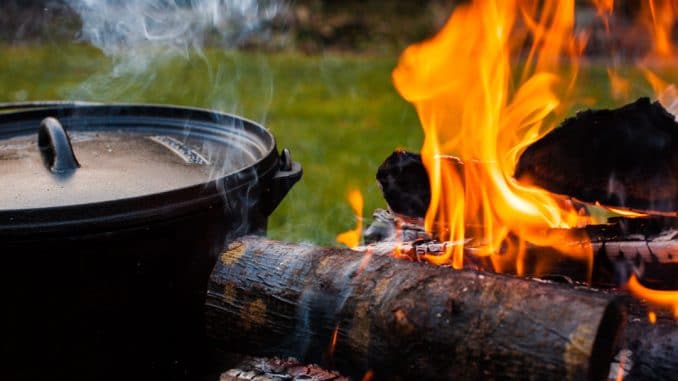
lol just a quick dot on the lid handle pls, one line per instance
(55, 146)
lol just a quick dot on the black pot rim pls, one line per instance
(147, 208)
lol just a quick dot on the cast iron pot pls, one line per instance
(111, 218)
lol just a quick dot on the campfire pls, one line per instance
(533, 236)
(522, 242)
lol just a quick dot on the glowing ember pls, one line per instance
(368, 376)
(333, 342)
(352, 237)
(460, 82)
(652, 317)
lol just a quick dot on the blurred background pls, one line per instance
(316, 72)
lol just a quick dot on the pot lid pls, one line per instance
(77, 156)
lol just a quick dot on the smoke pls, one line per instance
(121, 27)
(142, 36)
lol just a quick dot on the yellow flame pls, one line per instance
(658, 297)
(460, 82)
(351, 238)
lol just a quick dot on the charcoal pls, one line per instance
(404, 183)
(626, 157)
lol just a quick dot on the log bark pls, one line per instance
(406, 320)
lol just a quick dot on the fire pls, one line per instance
(620, 87)
(351, 238)
(663, 298)
(625, 213)
(604, 9)
(659, 16)
(666, 93)
(461, 83)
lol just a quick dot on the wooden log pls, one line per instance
(404, 183)
(653, 349)
(405, 320)
(649, 346)
(627, 157)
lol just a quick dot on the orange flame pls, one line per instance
(666, 93)
(659, 16)
(658, 297)
(652, 317)
(351, 238)
(604, 9)
(460, 82)
(333, 342)
(620, 87)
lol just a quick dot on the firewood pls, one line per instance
(404, 183)
(405, 320)
(627, 157)
(647, 246)
(653, 349)
(649, 348)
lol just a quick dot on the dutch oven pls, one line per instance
(111, 218)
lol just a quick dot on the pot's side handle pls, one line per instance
(288, 174)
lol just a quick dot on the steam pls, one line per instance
(157, 52)
(140, 36)
(121, 27)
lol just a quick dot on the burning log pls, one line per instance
(404, 183)
(626, 157)
(647, 245)
(363, 311)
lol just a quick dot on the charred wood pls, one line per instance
(404, 183)
(626, 157)
(277, 369)
(404, 319)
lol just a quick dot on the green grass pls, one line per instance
(339, 115)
